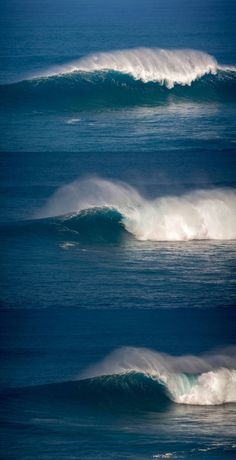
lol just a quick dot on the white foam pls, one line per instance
(213, 387)
(201, 214)
(165, 66)
(67, 245)
(73, 121)
(166, 455)
(227, 68)
(215, 384)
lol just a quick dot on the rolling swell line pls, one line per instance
(206, 380)
(126, 77)
(101, 211)
(141, 378)
(167, 67)
(107, 207)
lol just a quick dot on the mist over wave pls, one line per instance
(206, 380)
(201, 214)
(167, 67)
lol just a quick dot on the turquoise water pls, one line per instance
(117, 229)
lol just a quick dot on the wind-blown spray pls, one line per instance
(167, 67)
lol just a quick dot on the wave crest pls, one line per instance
(167, 67)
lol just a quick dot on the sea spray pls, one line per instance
(165, 66)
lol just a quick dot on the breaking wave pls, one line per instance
(167, 67)
(205, 380)
(143, 379)
(105, 210)
(131, 76)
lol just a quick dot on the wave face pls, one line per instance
(131, 76)
(98, 205)
(206, 380)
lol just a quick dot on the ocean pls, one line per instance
(118, 229)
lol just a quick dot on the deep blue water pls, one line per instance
(117, 229)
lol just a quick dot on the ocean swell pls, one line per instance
(98, 204)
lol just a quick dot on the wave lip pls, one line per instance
(207, 380)
(199, 215)
(165, 66)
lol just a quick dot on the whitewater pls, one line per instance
(206, 380)
(197, 215)
(165, 66)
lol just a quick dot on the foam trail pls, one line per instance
(202, 214)
(206, 380)
(167, 67)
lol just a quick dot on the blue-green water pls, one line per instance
(117, 229)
